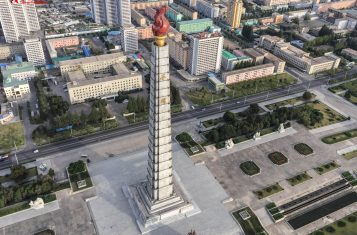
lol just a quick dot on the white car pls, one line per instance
(3, 157)
(35, 151)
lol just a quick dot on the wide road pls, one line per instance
(73, 143)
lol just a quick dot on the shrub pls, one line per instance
(351, 218)
(341, 223)
(268, 189)
(76, 167)
(307, 95)
(330, 229)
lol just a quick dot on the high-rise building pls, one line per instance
(34, 51)
(205, 53)
(18, 20)
(207, 9)
(111, 12)
(234, 13)
(129, 38)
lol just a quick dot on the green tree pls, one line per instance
(229, 117)
(254, 108)
(325, 31)
(307, 95)
(247, 32)
(307, 17)
(51, 172)
(295, 20)
(18, 173)
(348, 94)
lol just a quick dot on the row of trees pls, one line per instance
(244, 64)
(249, 122)
(137, 105)
(19, 193)
(175, 95)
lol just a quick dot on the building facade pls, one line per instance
(129, 38)
(18, 20)
(55, 43)
(174, 15)
(142, 5)
(246, 74)
(82, 87)
(349, 52)
(138, 18)
(234, 13)
(194, 26)
(186, 11)
(178, 50)
(205, 53)
(207, 9)
(111, 12)
(229, 61)
(34, 51)
(145, 32)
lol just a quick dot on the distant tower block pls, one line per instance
(157, 199)
(234, 13)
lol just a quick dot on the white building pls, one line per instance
(207, 9)
(205, 53)
(18, 20)
(34, 51)
(129, 38)
(111, 12)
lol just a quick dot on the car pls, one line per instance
(3, 157)
(35, 151)
(238, 102)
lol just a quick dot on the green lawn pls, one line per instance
(249, 168)
(250, 226)
(14, 208)
(190, 146)
(268, 191)
(345, 226)
(10, 133)
(350, 155)
(326, 167)
(204, 97)
(330, 115)
(80, 172)
(298, 179)
(351, 86)
(292, 101)
(331, 139)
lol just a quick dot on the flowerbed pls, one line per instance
(278, 158)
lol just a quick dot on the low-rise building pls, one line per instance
(207, 9)
(214, 83)
(91, 65)
(324, 7)
(82, 87)
(6, 114)
(174, 15)
(229, 61)
(297, 57)
(55, 43)
(186, 11)
(150, 12)
(257, 56)
(246, 74)
(352, 54)
(194, 26)
(241, 57)
(10, 50)
(145, 32)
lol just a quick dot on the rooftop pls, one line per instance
(350, 51)
(91, 59)
(11, 82)
(198, 21)
(228, 55)
(17, 68)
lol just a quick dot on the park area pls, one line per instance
(348, 90)
(249, 221)
(204, 96)
(10, 134)
(338, 137)
(79, 176)
(307, 96)
(190, 146)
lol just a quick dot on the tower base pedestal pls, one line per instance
(151, 215)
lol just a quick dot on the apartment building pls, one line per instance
(145, 32)
(352, 54)
(10, 50)
(278, 2)
(186, 11)
(91, 65)
(261, 56)
(138, 18)
(207, 9)
(111, 12)
(178, 50)
(229, 61)
(297, 57)
(205, 53)
(18, 20)
(190, 3)
(55, 43)
(34, 51)
(129, 38)
(234, 13)
(246, 74)
(174, 15)
(82, 87)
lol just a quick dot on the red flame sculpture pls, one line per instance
(161, 24)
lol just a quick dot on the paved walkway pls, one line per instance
(251, 143)
(28, 214)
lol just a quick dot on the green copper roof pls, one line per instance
(17, 68)
(228, 55)
(10, 82)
